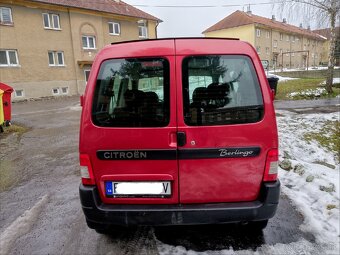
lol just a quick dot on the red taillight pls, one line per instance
(272, 163)
(86, 172)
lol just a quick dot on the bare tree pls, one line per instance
(324, 11)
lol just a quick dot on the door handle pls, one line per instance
(181, 138)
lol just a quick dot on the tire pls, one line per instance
(112, 230)
(104, 231)
(258, 225)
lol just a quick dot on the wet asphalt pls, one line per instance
(43, 163)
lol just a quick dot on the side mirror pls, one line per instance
(82, 100)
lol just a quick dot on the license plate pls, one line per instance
(114, 189)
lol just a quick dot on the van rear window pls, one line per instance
(220, 90)
(132, 93)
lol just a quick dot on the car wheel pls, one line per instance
(104, 231)
(258, 225)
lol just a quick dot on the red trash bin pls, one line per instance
(7, 103)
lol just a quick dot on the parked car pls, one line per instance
(178, 132)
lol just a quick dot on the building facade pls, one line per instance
(326, 32)
(47, 47)
(283, 45)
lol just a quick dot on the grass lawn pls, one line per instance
(328, 136)
(305, 88)
(14, 129)
(8, 174)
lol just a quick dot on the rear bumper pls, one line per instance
(127, 215)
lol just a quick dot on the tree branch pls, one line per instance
(317, 4)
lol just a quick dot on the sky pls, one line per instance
(192, 21)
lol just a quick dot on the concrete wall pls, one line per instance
(270, 45)
(288, 42)
(244, 33)
(32, 43)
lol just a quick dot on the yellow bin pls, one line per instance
(2, 119)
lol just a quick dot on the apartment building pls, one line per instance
(47, 46)
(282, 44)
(326, 32)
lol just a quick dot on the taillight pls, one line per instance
(272, 164)
(86, 172)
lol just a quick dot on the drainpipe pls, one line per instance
(157, 23)
(73, 53)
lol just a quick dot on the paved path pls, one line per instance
(295, 104)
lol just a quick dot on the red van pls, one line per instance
(178, 131)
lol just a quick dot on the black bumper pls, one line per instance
(179, 214)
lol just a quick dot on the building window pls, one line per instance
(114, 28)
(267, 50)
(142, 29)
(89, 42)
(64, 90)
(55, 91)
(281, 36)
(275, 44)
(6, 16)
(258, 32)
(9, 58)
(267, 34)
(86, 75)
(287, 54)
(293, 38)
(51, 21)
(19, 93)
(56, 58)
(258, 49)
(287, 39)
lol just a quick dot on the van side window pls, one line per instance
(132, 93)
(220, 90)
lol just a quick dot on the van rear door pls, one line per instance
(132, 138)
(224, 129)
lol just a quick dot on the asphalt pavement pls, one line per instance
(309, 106)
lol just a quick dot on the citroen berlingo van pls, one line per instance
(178, 132)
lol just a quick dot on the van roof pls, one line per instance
(176, 46)
(178, 38)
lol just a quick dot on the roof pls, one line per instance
(240, 18)
(108, 6)
(326, 32)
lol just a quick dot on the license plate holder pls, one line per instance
(138, 189)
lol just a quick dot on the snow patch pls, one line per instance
(281, 78)
(310, 93)
(320, 208)
(21, 225)
(335, 80)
